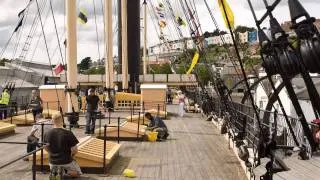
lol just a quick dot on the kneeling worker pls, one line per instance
(157, 125)
(62, 146)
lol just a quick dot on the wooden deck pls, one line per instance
(194, 150)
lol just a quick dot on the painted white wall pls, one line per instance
(307, 109)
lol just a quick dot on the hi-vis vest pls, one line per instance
(5, 97)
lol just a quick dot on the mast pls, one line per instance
(145, 38)
(109, 46)
(72, 52)
(124, 41)
(133, 40)
(119, 36)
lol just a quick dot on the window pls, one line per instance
(261, 104)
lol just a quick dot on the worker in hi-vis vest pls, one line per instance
(4, 102)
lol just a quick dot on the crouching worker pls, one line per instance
(36, 133)
(157, 125)
(62, 146)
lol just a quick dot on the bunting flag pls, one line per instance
(228, 11)
(180, 21)
(162, 24)
(21, 16)
(82, 17)
(58, 69)
(194, 62)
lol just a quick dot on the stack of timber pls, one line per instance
(127, 131)
(6, 128)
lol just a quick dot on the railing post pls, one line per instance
(100, 126)
(131, 112)
(109, 116)
(104, 147)
(138, 127)
(48, 108)
(42, 137)
(118, 130)
(34, 166)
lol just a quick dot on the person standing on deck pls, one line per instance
(4, 102)
(92, 103)
(157, 125)
(35, 104)
(181, 98)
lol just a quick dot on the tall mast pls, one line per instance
(145, 38)
(72, 51)
(119, 36)
(124, 44)
(109, 46)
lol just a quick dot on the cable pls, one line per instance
(47, 50)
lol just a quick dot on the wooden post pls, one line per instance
(72, 52)
(145, 38)
(109, 46)
(124, 45)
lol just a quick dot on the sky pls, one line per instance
(87, 37)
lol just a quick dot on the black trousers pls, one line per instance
(3, 111)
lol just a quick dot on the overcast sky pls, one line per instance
(87, 37)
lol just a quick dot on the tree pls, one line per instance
(242, 29)
(84, 64)
(3, 61)
(161, 68)
(96, 70)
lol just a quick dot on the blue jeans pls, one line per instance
(90, 122)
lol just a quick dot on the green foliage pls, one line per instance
(251, 62)
(203, 74)
(84, 64)
(96, 70)
(161, 69)
(3, 61)
(243, 29)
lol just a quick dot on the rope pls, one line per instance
(47, 50)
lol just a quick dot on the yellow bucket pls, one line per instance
(152, 136)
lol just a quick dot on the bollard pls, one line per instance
(42, 137)
(34, 166)
(118, 130)
(104, 148)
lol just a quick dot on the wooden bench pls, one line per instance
(127, 131)
(24, 119)
(6, 128)
(89, 156)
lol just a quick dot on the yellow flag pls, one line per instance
(194, 62)
(228, 12)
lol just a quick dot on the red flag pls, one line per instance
(58, 69)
